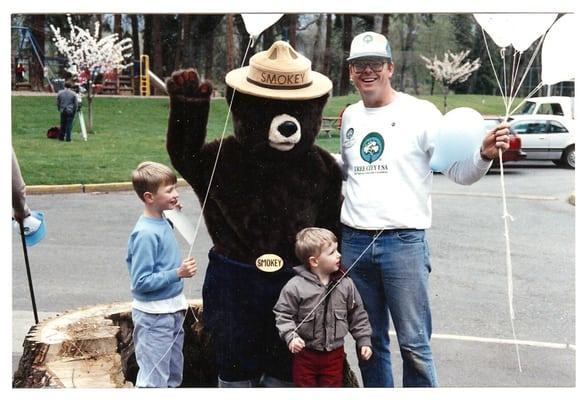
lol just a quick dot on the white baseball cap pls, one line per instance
(370, 44)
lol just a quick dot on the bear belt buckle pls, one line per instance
(269, 263)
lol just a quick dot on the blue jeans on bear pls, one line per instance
(238, 312)
(158, 341)
(392, 278)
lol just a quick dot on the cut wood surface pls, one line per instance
(92, 347)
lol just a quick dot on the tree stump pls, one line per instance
(92, 347)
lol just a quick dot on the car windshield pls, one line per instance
(528, 108)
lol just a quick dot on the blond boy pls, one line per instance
(316, 309)
(156, 271)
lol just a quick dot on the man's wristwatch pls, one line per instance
(484, 156)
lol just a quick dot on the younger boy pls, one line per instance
(156, 272)
(314, 312)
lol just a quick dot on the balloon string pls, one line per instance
(530, 94)
(217, 156)
(502, 54)
(199, 221)
(515, 62)
(506, 218)
(506, 215)
(523, 76)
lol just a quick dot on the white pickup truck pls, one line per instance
(550, 105)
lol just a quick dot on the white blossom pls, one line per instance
(451, 69)
(85, 52)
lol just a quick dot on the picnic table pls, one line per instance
(329, 124)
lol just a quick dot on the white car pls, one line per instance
(546, 137)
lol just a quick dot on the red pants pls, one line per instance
(312, 368)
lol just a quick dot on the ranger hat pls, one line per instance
(370, 44)
(279, 73)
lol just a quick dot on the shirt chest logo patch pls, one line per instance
(348, 139)
(372, 147)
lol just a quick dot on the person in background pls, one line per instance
(67, 103)
(20, 70)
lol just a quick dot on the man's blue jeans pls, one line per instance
(66, 125)
(392, 278)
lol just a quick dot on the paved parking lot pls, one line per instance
(81, 262)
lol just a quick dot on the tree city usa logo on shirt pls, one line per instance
(371, 150)
(372, 147)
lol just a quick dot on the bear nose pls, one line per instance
(287, 128)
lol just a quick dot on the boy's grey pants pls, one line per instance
(158, 341)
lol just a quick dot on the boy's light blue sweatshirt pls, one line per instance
(153, 257)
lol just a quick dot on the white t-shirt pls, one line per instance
(386, 155)
(165, 306)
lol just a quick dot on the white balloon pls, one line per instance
(528, 28)
(496, 27)
(519, 30)
(460, 133)
(558, 58)
(255, 24)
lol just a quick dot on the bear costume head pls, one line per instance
(278, 102)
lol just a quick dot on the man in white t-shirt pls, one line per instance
(387, 141)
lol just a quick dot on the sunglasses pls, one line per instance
(360, 66)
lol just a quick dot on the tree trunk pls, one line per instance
(346, 42)
(319, 48)
(327, 49)
(208, 55)
(36, 73)
(229, 42)
(243, 42)
(92, 347)
(147, 36)
(90, 95)
(445, 94)
(97, 18)
(178, 58)
(117, 25)
(158, 60)
(136, 50)
(407, 47)
(385, 25)
(268, 38)
(293, 30)
(415, 80)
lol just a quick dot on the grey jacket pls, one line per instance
(324, 328)
(67, 101)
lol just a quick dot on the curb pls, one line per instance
(87, 188)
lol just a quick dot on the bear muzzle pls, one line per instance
(284, 132)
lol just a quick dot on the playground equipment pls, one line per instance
(28, 49)
(146, 77)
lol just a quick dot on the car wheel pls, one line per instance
(569, 157)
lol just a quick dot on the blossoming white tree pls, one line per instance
(451, 69)
(87, 56)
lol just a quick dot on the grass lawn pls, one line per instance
(130, 130)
